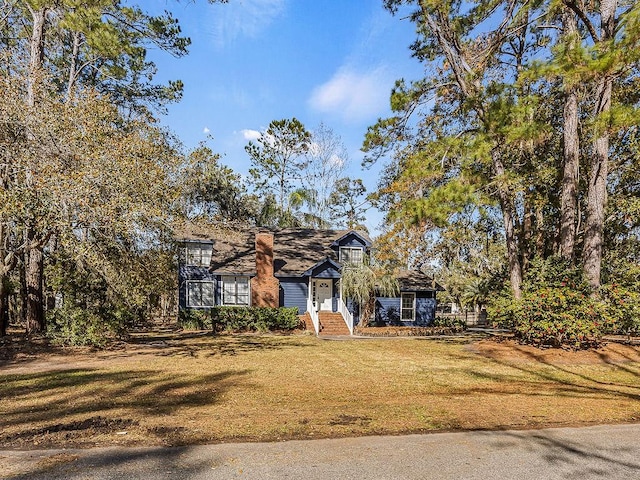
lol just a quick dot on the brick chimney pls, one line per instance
(264, 286)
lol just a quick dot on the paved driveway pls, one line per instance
(606, 452)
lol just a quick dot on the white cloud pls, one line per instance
(206, 130)
(244, 18)
(250, 134)
(355, 96)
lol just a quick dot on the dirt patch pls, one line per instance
(56, 460)
(67, 433)
(350, 420)
(512, 351)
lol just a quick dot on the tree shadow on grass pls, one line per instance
(209, 345)
(21, 352)
(54, 406)
(18, 348)
(560, 379)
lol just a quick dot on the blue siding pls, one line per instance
(425, 310)
(187, 272)
(388, 310)
(294, 293)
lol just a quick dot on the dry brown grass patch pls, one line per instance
(175, 389)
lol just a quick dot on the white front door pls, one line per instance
(323, 294)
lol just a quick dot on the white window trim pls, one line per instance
(224, 280)
(213, 287)
(201, 247)
(342, 249)
(413, 307)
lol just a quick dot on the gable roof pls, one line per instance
(327, 263)
(350, 233)
(295, 250)
(415, 281)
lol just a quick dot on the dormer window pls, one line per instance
(351, 255)
(198, 254)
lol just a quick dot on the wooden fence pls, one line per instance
(469, 316)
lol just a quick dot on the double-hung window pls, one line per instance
(353, 255)
(235, 290)
(198, 254)
(408, 307)
(200, 294)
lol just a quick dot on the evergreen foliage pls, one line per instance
(522, 137)
(242, 319)
(558, 310)
(86, 176)
(361, 282)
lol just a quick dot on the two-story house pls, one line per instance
(293, 267)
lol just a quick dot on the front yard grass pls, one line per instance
(178, 389)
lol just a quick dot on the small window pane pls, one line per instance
(407, 307)
(351, 255)
(192, 295)
(198, 254)
(206, 256)
(229, 290)
(243, 299)
(243, 285)
(200, 294)
(235, 290)
(207, 294)
(193, 255)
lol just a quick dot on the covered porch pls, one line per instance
(325, 304)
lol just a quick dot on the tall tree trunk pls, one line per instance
(34, 278)
(597, 199)
(34, 265)
(597, 190)
(508, 215)
(36, 53)
(569, 195)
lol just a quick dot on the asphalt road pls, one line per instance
(603, 452)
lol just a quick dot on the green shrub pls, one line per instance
(192, 319)
(241, 319)
(72, 325)
(620, 310)
(551, 316)
(454, 323)
(255, 319)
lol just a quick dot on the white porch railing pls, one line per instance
(346, 314)
(314, 316)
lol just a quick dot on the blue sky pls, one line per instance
(254, 61)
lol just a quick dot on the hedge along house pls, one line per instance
(293, 268)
